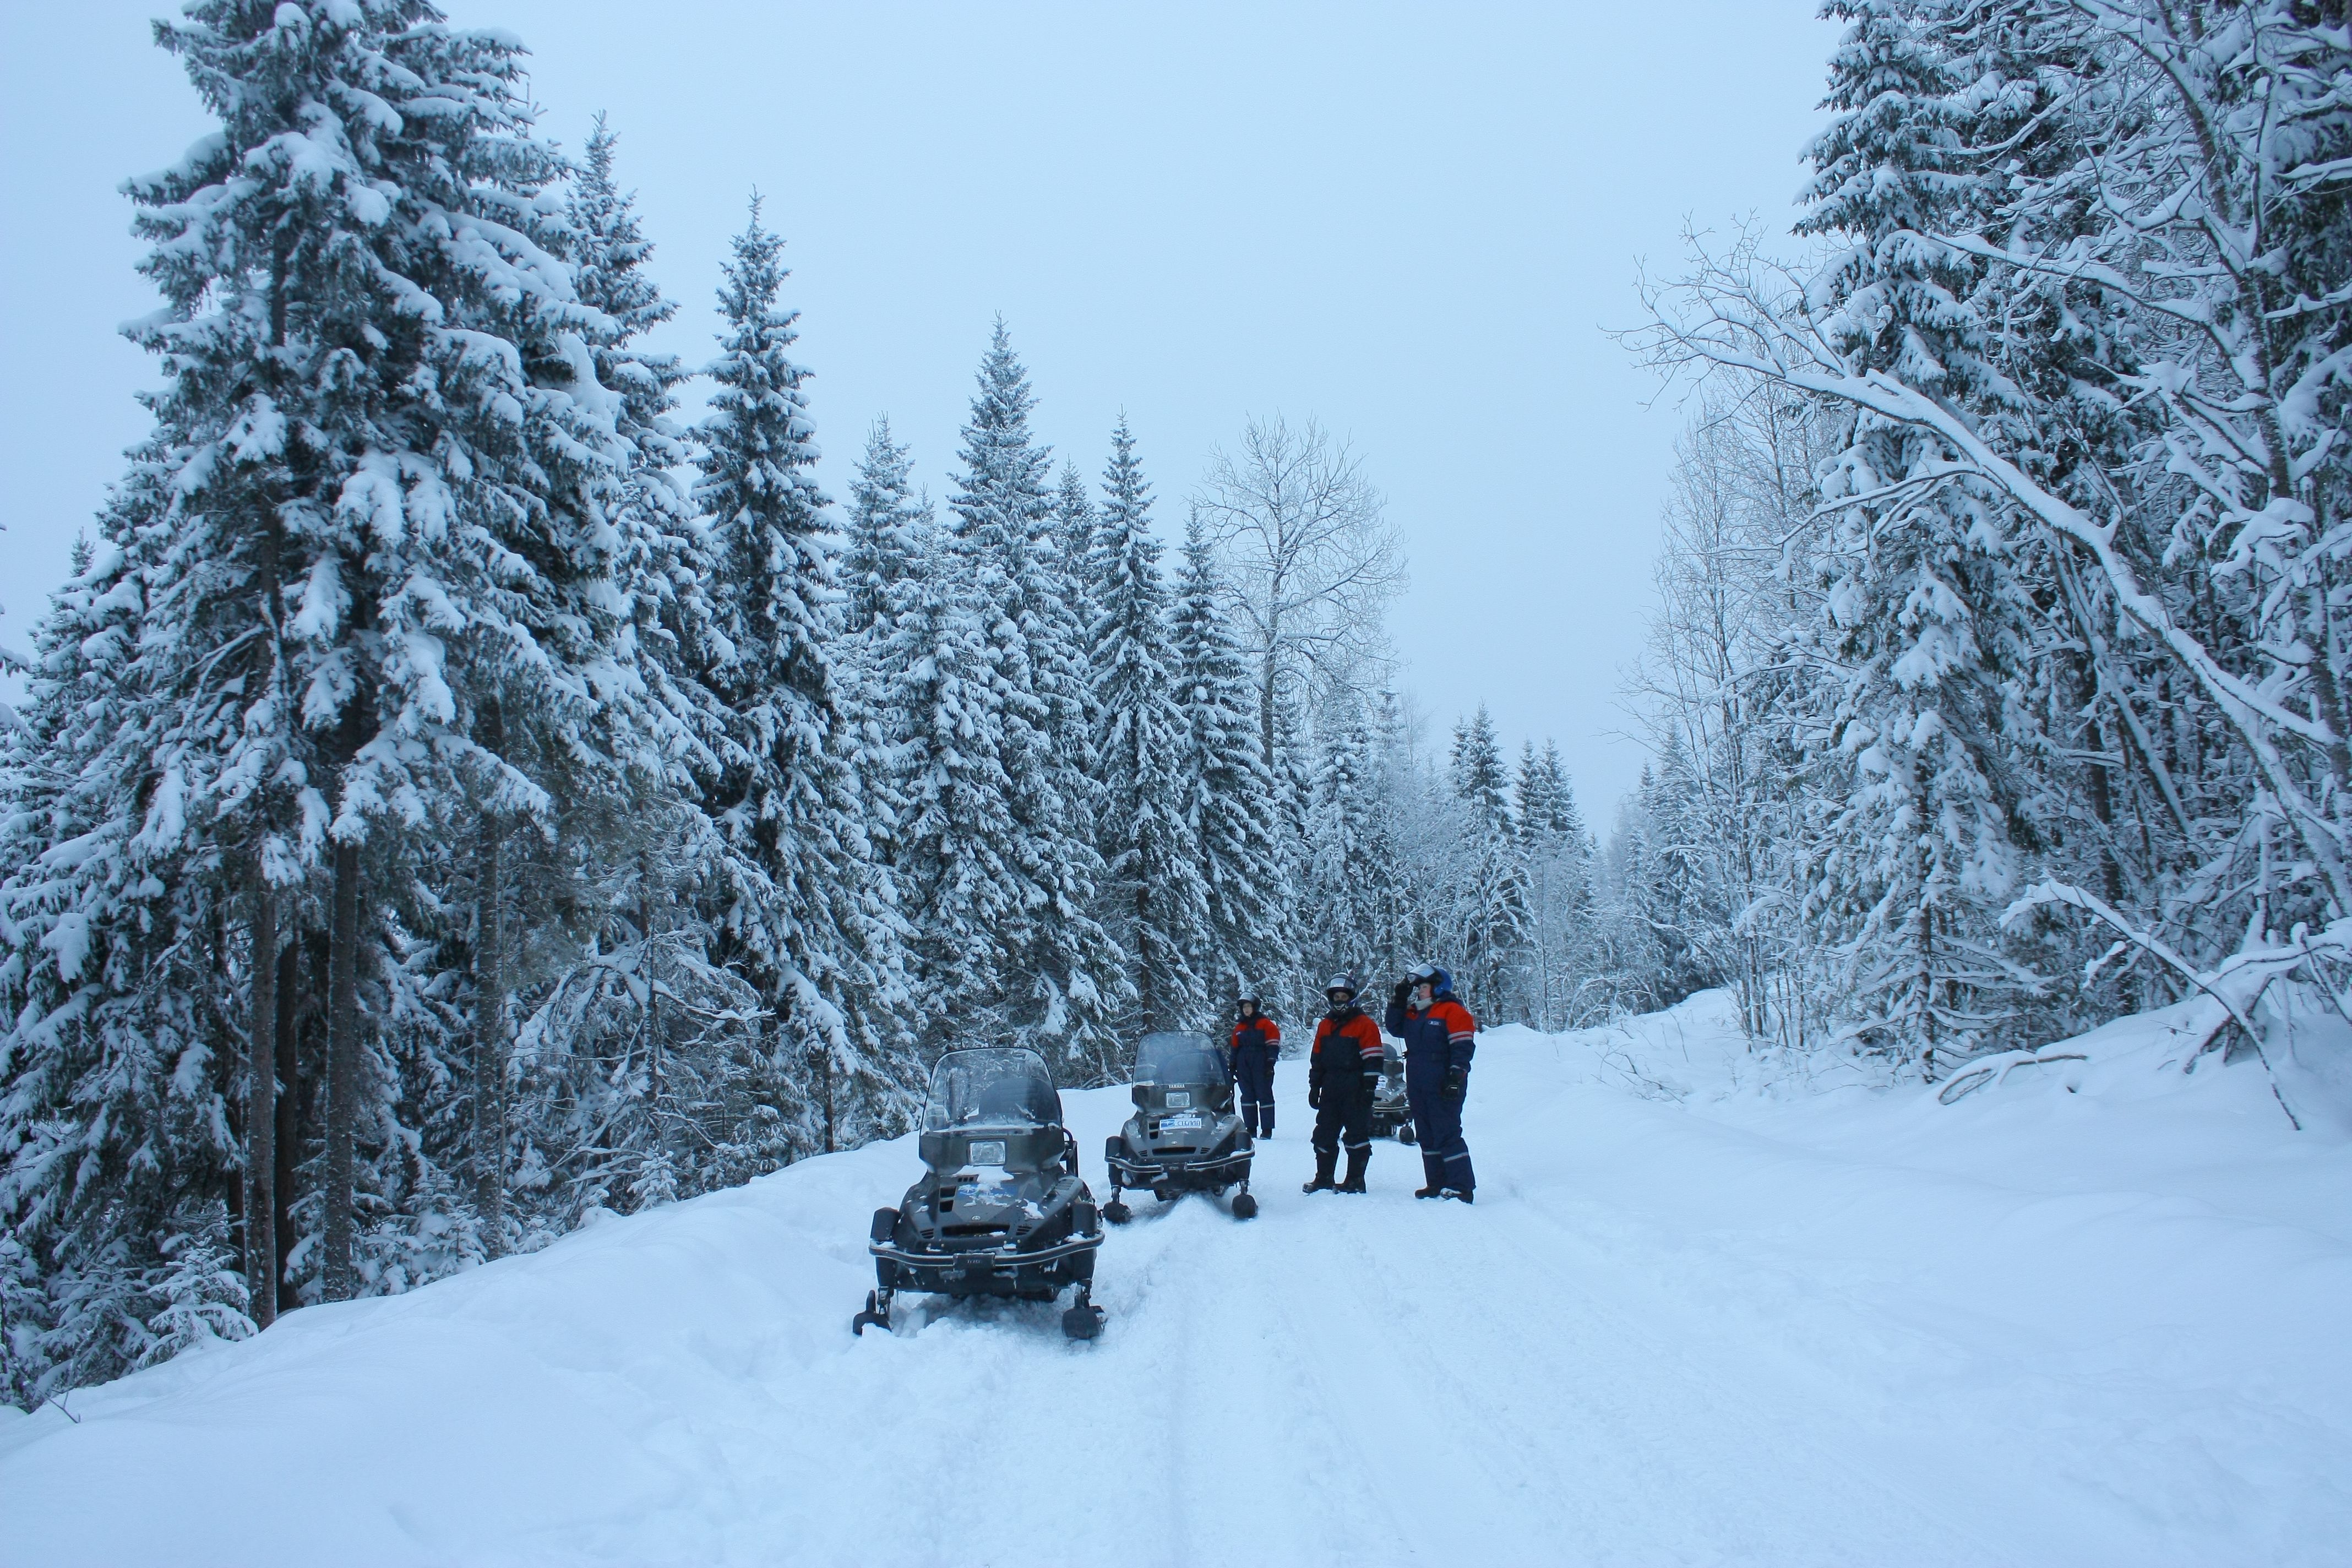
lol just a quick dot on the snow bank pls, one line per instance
(2089, 1315)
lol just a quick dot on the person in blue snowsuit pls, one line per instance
(1256, 1047)
(1440, 1037)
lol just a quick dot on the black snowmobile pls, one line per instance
(1392, 1111)
(1184, 1136)
(999, 1210)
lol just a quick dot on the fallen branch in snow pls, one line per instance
(2262, 966)
(1996, 1071)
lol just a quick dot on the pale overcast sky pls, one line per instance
(1411, 222)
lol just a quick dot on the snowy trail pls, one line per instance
(1723, 1329)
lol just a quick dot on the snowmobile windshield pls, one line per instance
(991, 1089)
(1180, 1058)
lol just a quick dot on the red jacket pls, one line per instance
(1344, 1042)
(1269, 1031)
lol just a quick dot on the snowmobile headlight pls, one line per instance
(1178, 1099)
(988, 1152)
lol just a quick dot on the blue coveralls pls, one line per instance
(1436, 1041)
(1256, 1045)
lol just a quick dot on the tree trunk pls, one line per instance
(1269, 671)
(489, 1137)
(261, 1112)
(288, 1141)
(1147, 994)
(825, 1081)
(340, 1277)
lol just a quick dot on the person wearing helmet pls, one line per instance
(1340, 1074)
(1439, 1038)
(1256, 1045)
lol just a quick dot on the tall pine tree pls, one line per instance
(1062, 975)
(816, 917)
(1155, 903)
(1231, 803)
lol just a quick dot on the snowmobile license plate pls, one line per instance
(1178, 1098)
(1174, 1123)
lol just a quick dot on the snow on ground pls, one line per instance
(1701, 1314)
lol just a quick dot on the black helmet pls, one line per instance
(1341, 982)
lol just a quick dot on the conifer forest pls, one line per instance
(477, 781)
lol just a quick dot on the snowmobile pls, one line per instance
(1000, 1209)
(1184, 1136)
(1392, 1111)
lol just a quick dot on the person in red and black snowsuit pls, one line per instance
(1340, 1076)
(1440, 1037)
(1256, 1045)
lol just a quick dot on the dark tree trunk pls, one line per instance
(1147, 997)
(490, 1133)
(261, 1112)
(339, 1279)
(288, 1141)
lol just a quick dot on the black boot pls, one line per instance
(1429, 1192)
(1324, 1161)
(1357, 1160)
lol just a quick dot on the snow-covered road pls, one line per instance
(1683, 1325)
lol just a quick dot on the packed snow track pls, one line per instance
(1687, 1322)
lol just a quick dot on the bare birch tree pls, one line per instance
(1310, 559)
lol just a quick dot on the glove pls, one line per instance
(1372, 1087)
(1315, 1098)
(1457, 1083)
(1402, 994)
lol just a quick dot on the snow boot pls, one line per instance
(1463, 1193)
(1323, 1163)
(1429, 1192)
(1357, 1158)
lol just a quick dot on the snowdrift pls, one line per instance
(2091, 1313)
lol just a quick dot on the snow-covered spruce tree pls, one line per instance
(880, 535)
(637, 1066)
(1154, 899)
(1491, 897)
(1558, 854)
(378, 471)
(947, 692)
(1073, 528)
(888, 527)
(1915, 870)
(1063, 976)
(1415, 837)
(97, 1033)
(814, 919)
(1294, 797)
(1230, 800)
(1348, 895)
